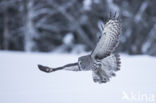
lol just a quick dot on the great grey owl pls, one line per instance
(102, 62)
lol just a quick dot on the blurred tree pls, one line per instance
(43, 25)
(8, 9)
(138, 19)
(29, 30)
(60, 18)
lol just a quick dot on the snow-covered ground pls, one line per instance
(22, 82)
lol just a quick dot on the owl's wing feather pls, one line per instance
(109, 66)
(108, 41)
(70, 67)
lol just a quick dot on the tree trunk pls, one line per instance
(6, 32)
(29, 27)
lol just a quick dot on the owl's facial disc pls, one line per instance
(85, 63)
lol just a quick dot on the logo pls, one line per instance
(138, 96)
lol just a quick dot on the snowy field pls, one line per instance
(22, 82)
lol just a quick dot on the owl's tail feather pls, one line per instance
(118, 61)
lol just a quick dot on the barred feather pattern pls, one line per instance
(109, 66)
(109, 39)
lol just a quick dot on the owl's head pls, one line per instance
(85, 63)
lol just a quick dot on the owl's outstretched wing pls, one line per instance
(109, 66)
(70, 67)
(108, 40)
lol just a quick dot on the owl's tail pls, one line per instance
(110, 65)
(118, 62)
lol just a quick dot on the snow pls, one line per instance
(68, 39)
(22, 82)
(87, 4)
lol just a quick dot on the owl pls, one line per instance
(101, 61)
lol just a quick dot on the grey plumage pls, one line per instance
(109, 66)
(109, 39)
(101, 61)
